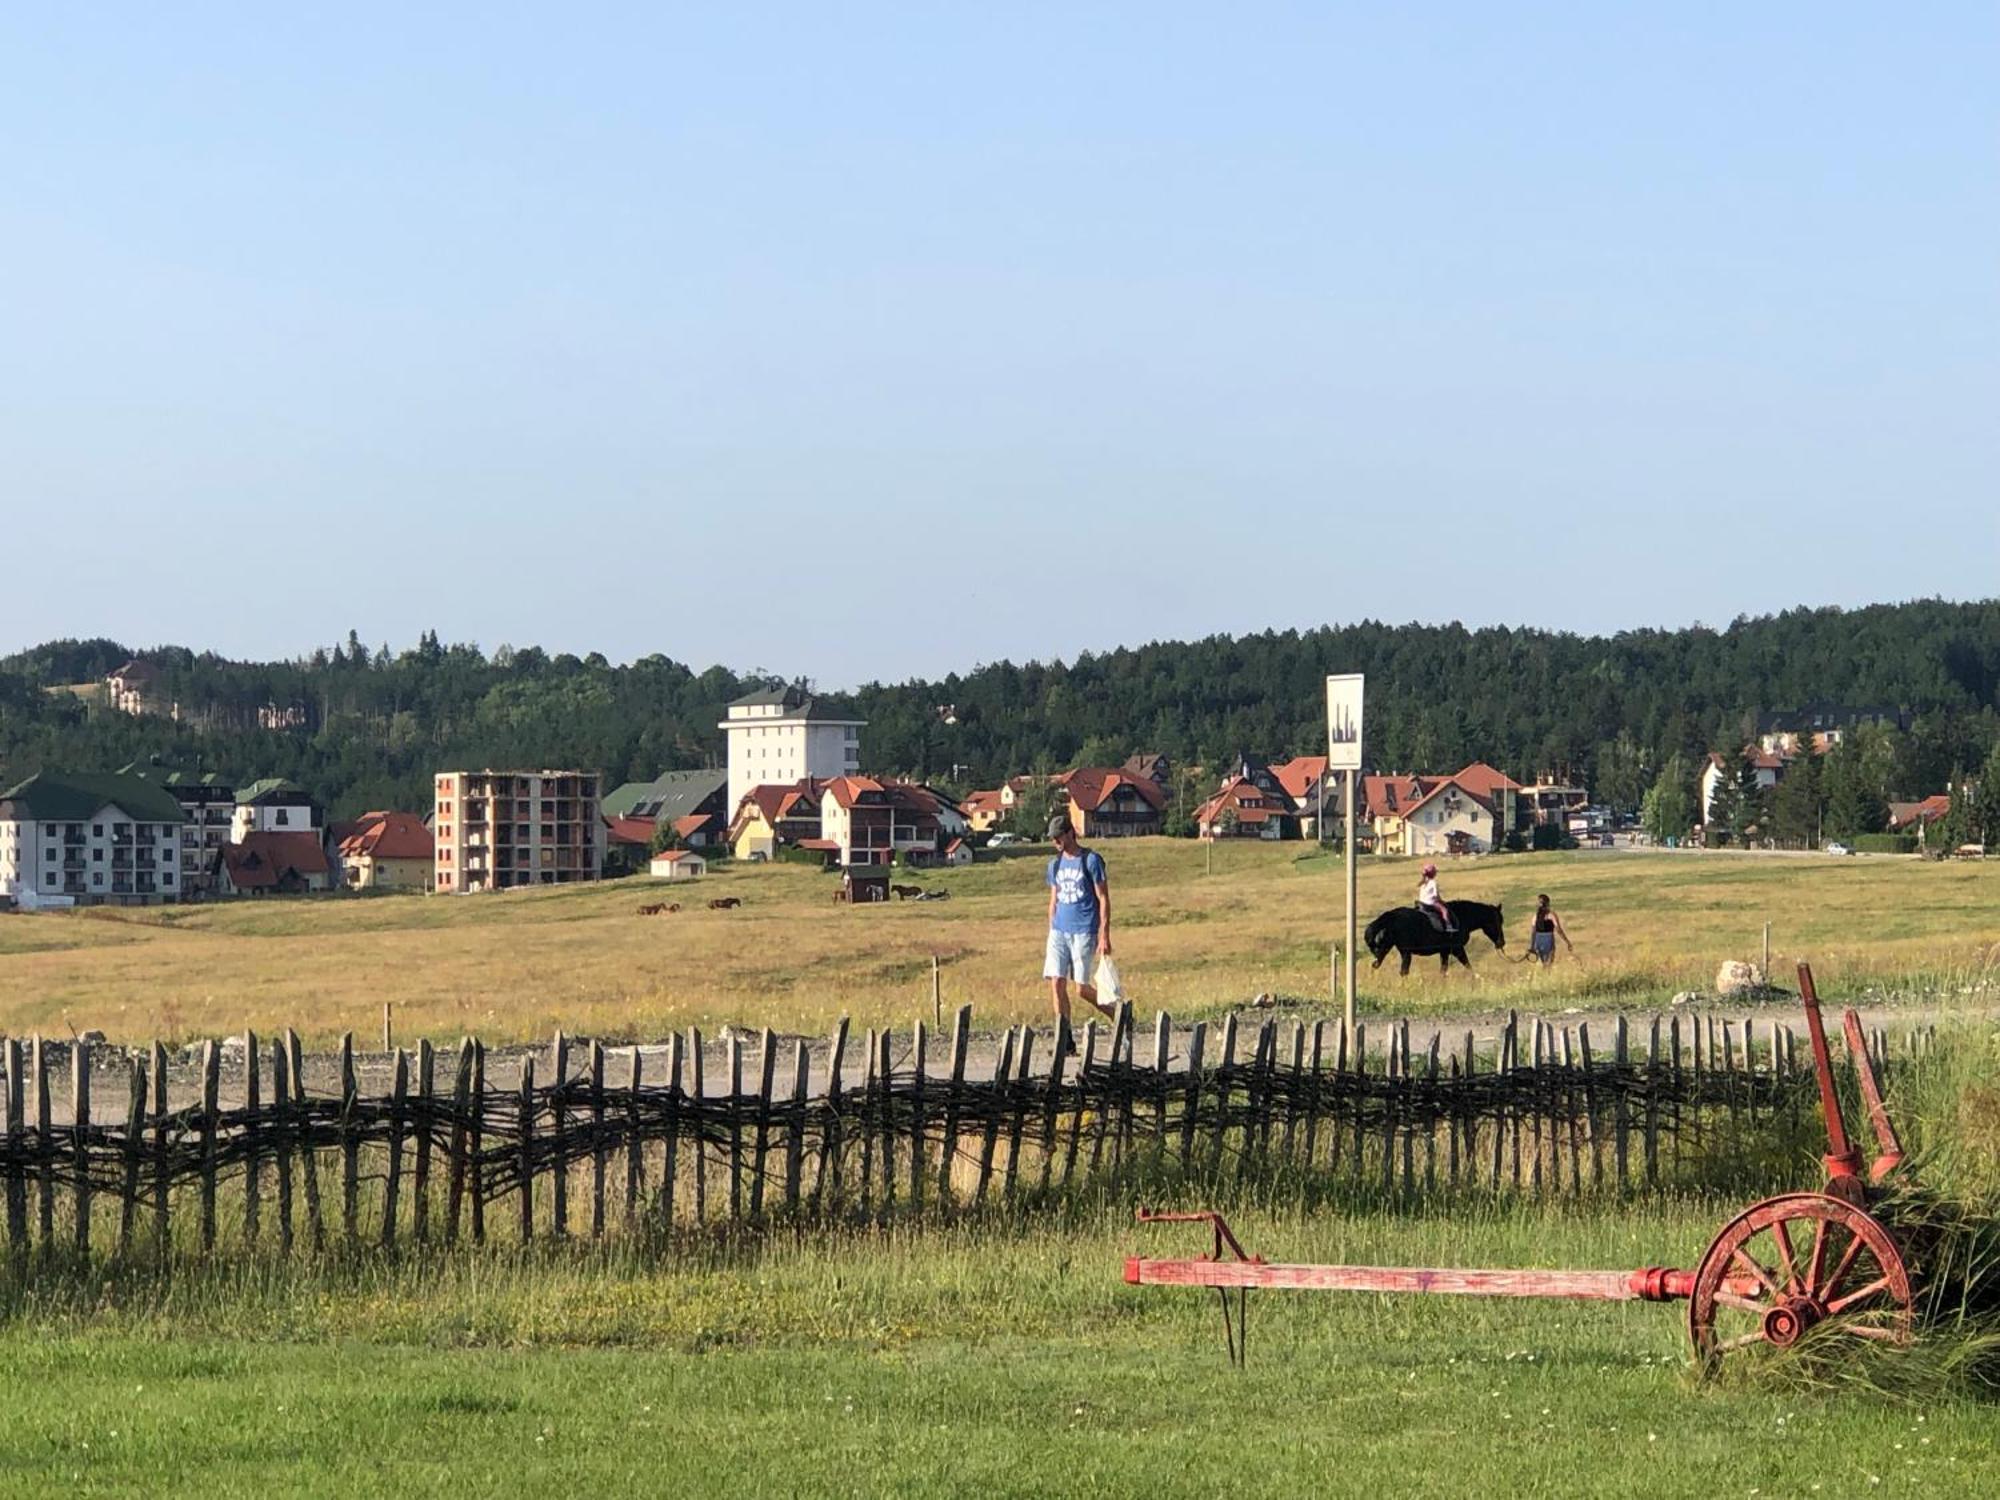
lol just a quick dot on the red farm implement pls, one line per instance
(1775, 1271)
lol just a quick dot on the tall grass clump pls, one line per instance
(1943, 1205)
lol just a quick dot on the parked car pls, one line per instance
(1836, 847)
(1002, 840)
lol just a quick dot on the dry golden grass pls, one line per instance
(519, 964)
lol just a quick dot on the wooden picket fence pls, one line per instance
(817, 1132)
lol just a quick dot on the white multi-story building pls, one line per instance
(89, 840)
(493, 829)
(781, 736)
(208, 803)
(275, 805)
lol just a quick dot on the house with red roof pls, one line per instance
(774, 816)
(1463, 813)
(385, 851)
(1102, 803)
(870, 820)
(1768, 764)
(1241, 808)
(268, 863)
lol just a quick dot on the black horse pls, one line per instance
(1411, 933)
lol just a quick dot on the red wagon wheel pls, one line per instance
(1789, 1264)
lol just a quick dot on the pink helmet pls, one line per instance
(1430, 868)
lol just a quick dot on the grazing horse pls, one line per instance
(724, 903)
(1411, 933)
(904, 892)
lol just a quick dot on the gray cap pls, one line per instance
(1058, 825)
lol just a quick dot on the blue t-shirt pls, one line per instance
(1076, 878)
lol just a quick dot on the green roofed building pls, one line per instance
(86, 839)
(209, 802)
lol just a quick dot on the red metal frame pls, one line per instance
(1783, 1298)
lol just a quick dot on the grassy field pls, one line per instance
(518, 964)
(978, 1362)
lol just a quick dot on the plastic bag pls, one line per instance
(1109, 986)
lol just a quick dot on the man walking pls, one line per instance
(1079, 922)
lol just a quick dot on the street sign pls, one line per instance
(1343, 722)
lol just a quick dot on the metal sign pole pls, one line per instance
(1347, 993)
(1343, 753)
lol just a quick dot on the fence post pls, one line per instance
(558, 1136)
(1503, 1062)
(1335, 1126)
(1653, 1104)
(830, 1143)
(1082, 1093)
(1537, 1050)
(135, 1135)
(1017, 1102)
(308, 1142)
(1225, 1088)
(989, 1136)
(1313, 1091)
(1191, 1105)
(1430, 1116)
(600, 1152)
(795, 1144)
(211, 1086)
(253, 1138)
(1052, 1101)
(635, 1140)
(767, 1064)
(475, 1144)
(1569, 1116)
(1621, 1057)
(670, 1150)
(698, 1157)
(1294, 1089)
(420, 1184)
(399, 1097)
(79, 1082)
(525, 1125)
(45, 1179)
(961, 1039)
(884, 1092)
(918, 1052)
(160, 1178)
(1359, 1057)
(281, 1119)
(735, 1128)
(17, 1188)
(866, 1121)
(350, 1144)
(455, 1169)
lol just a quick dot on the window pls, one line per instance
(167, 878)
(284, 816)
(98, 829)
(97, 855)
(97, 879)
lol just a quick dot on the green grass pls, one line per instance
(969, 1362)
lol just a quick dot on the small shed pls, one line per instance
(677, 864)
(865, 883)
(958, 852)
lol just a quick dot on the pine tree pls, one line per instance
(1725, 809)
(1753, 798)
(1989, 801)
(1796, 804)
(1667, 811)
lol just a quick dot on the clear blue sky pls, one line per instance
(869, 342)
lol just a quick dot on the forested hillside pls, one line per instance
(1611, 710)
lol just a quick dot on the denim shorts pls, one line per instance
(1070, 955)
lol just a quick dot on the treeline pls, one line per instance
(1614, 712)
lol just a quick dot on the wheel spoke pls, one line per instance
(1741, 1341)
(1816, 1259)
(1842, 1266)
(1750, 1264)
(1752, 1305)
(1841, 1304)
(1785, 1258)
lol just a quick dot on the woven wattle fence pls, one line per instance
(587, 1141)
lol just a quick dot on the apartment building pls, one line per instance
(781, 736)
(89, 840)
(208, 803)
(275, 805)
(496, 829)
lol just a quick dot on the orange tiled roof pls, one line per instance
(387, 835)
